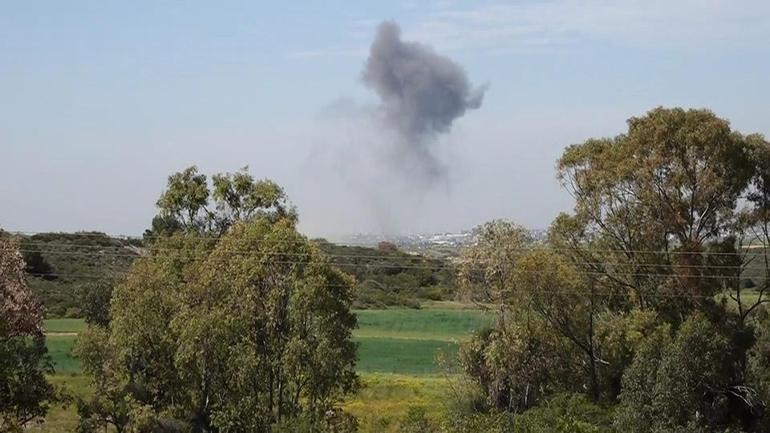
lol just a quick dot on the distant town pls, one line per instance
(421, 241)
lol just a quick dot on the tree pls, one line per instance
(239, 197)
(24, 361)
(185, 200)
(518, 362)
(669, 219)
(755, 224)
(230, 334)
(110, 404)
(272, 327)
(486, 267)
(688, 380)
(543, 288)
(190, 204)
(567, 302)
(94, 300)
(37, 265)
(650, 200)
(759, 360)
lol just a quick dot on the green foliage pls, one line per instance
(110, 404)
(190, 204)
(416, 421)
(95, 302)
(687, 380)
(565, 413)
(670, 184)
(75, 261)
(493, 422)
(24, 391)
(217, 341)
(185, 200)
(517, 362)
(389, 277)
(567, 302)
(625, 290)
(238, 197)
(619, 336)
(37, 265)
(486, 270)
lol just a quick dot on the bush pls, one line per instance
(73, 313)
(495, 422)
(517, 364)
(415, 421)
(688, 381)
(565, 413)
(332, 421)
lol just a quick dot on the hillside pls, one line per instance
(387, 276)
(60, 264)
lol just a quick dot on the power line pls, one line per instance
(529, 272)
(364, 264)
(746, 250)
(304, 241)
(624, 295)
(129, 238)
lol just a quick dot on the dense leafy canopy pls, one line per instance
(228, 335)
(644, 284)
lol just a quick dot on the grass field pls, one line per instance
(64, 326)
(394, 341)
(397, 350)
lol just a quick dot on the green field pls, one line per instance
(397, 350)
(60, 349)
(390, 341)
(64, 326)
(433, 324)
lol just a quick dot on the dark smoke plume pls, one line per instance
(421, 93)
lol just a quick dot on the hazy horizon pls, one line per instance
(101, 102)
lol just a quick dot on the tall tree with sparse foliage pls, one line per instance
(190, 203)
(642, 287)
(237, 329)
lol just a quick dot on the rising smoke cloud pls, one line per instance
(391, 161)
(421, 94)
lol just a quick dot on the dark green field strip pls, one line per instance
(390, 341)
(426, 324)
(376, 355)
(60, 349)
(401, 356)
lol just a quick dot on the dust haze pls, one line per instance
(394, 156)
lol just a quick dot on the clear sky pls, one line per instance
(101, 100)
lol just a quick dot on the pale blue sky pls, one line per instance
(100, 101)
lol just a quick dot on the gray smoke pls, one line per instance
(421, 94)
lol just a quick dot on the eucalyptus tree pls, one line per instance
(234, 334)
(652, 202)
(191, 203)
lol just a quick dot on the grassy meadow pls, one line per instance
(397, 350)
